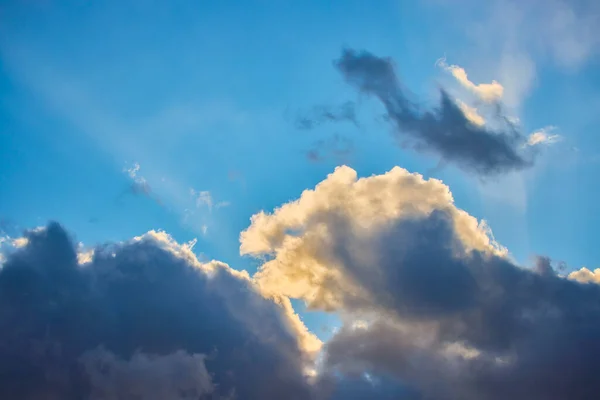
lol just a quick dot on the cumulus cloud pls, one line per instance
(444, 310)
(488, 92)
(444, 130)
(585, 275)
(432, 308)
(543, 136)
(301, 235)
(143, 319)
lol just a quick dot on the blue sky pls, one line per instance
(203, 96)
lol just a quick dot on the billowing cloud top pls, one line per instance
(303, 234)
(142, 319)
(428, 297)
(445, 130)
(432, 308)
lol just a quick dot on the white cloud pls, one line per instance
(299, 234)
(223, 204)
(513, 38)
(140, 184)
(488, 92)
(9, 245)
(584, 275)
(470, 113)
(20, 242)
(132, 171)
(543, 136)
(202, 198)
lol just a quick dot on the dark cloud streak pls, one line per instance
(323, 114)
(443, 130)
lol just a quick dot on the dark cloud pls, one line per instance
(453, 323)
(323, 114)
(337, 146)
(141, 188)
(429, 300)
(138, 319)
(143, 319)
(443, 130)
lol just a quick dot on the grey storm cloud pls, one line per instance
(443, 130)
(137, 320)
(430, 302)
(140, 320)
(516, 333)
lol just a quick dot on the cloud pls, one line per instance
(488, 92)
(543, 136)
(301, 235)
(584, 275)
(20, 242)
(174, 376)
(445, 130)
(322, 114)
(470, 113)
(444, 310)
(198, 213)
(143, 318)
(139, 185)
(9, 244)
(202, 198)
(223, 204)
(512, 39)
(337, 146)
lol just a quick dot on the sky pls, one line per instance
(190, 125)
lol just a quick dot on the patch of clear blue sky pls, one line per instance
(200, 92)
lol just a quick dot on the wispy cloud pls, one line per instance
(543, 136)
(337, 146)
(200, 211)
(202, 198)
(322, 114)
(139, 185)
(68, 97)
(512, 39)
